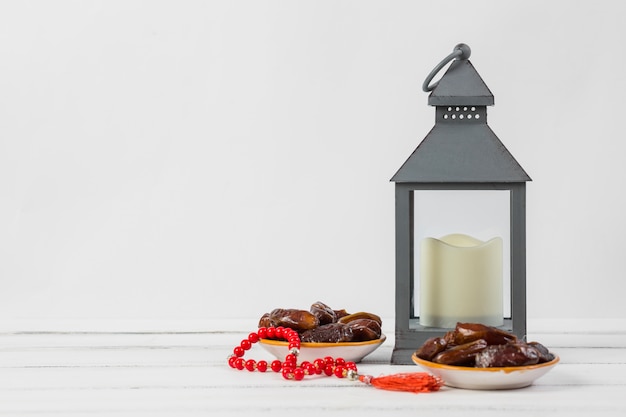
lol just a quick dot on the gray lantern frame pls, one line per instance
(459, 153)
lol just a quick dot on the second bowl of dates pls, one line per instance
(325, 332)
(475, 356)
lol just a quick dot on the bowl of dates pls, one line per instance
(325, 332)
(475, 356)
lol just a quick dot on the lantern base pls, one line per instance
(409, 340)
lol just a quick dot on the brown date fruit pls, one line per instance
(265, 321)
(360, 315)
(323, 313)
(462, 355)
(512, 354)
(468, 332)
(431, 348)
(321, 323)
(544, 353)
(364, 329)
(340, 313)
(473, 344)
(328, 333)
(298, 320)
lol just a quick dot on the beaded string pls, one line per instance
(328, 366)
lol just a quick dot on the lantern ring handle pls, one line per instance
(461, 51)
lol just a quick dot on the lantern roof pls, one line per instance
(461, 85)
(471, 154)
(461, 147)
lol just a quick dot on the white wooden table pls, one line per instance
(179, 369)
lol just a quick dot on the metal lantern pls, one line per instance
(460, 219)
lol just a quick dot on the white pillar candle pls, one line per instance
(460, 281)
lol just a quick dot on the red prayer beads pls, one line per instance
(289, 368)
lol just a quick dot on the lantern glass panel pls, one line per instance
(466, 214)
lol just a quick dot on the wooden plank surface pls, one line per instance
(169, 373)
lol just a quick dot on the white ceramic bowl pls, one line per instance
(350, 351)
(486, 378)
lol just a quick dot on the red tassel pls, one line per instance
(415, 382)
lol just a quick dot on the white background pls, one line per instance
(198, 159)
